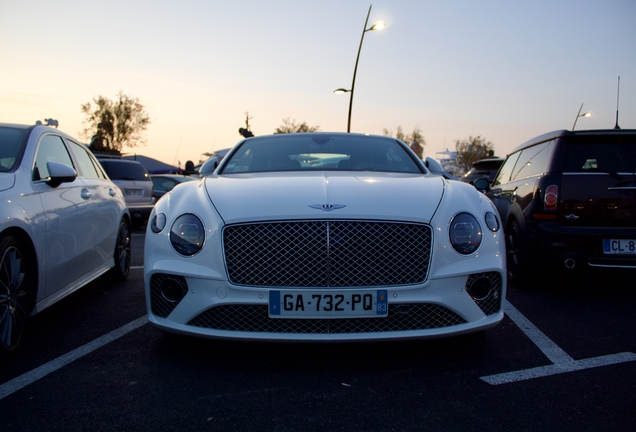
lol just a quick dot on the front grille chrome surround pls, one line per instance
(254, 318)
(327, 253)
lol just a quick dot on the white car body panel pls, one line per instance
(222, 199)
(366, 196)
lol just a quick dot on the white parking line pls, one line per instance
(562, 361)
(30, 377)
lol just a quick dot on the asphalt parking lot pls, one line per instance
(564, 358)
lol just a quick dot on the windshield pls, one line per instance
(12, 142)
(321, 152)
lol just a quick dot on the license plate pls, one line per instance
(619, 247)
(328, 304)
(134, 192)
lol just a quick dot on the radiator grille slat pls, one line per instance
(327, 253)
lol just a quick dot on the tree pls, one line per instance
(471, 150)
(415, 139)
(112, 125)
(290, 126)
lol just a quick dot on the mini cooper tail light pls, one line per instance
(187, 234)
(465, 233)
(551, 197)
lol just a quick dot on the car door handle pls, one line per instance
(111, 192)
(86, 194)
(622, 188)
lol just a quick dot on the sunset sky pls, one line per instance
(503, 69)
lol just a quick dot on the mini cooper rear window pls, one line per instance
(600, 154)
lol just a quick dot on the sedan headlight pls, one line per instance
(465, 233)
(187, 234)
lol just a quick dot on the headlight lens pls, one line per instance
(465, 233)
(158, 223)
(187, 234)
(492, 222)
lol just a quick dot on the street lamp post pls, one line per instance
(377, 26)
(586, 114)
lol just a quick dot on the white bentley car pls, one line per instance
(324, 237)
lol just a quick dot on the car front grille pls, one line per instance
(336, 253)
(255, 319)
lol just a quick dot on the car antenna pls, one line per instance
(618, 93)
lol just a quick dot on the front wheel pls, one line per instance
(17, 280)
(120, 272)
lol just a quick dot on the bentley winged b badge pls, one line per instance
(327, 207)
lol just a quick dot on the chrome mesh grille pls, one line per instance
(255, 319)
(327, 253)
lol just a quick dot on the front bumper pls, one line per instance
(216, 309)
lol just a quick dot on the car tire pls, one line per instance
(122, 255)
(518, 258)
(18, 283)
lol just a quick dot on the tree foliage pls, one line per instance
(415, 139)
(471, 150)
(112, 125)
(290, 126)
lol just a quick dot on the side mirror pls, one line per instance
(482, 184)
(433, 166)
(209, 166)
(59, 173)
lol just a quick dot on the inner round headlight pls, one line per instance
(187, 234)
(465, 233)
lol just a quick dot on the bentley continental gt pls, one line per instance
(324, 237)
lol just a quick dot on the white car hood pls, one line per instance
(365, 195)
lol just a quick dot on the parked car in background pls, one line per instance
(568, 199)
(63, 223)
(483, 168)
(164, 183)
(321, 237)
(134, 181)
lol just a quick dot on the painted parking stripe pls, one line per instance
(30, 377)
(562, 362)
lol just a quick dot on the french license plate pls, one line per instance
(619, 246)
(133, 192)
(328, 304)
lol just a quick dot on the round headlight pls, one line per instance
(465, 233)
(492, 222)
(187, 234)
(158, 223)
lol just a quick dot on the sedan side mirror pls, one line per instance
(59, 173)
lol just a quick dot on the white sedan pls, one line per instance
(63, 223)
(324, 237)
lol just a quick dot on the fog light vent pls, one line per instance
(485, 290)
(166, 291)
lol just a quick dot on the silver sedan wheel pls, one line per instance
(12, 293)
